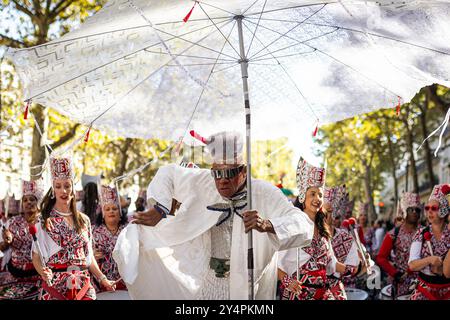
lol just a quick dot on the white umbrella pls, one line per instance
(137, 69)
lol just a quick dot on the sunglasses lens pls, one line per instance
(225, 173)
(216, 174)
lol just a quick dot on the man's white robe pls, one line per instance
(170, 260)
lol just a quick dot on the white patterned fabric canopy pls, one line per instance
(137, 69)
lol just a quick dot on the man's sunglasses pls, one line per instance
(432, 208)
(226, 173)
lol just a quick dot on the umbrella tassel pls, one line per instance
(316, 129)
(86, 138)
(198, 137)
(186, 18)
(25, 114)
(398, 106)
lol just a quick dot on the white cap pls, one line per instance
(225, 147)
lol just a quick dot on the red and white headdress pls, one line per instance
(340, 202)
(109, 195)
(61, 168)
(408, 200)
(350, 206)
(328, 195)
(308, 176)
(441, 193)
(33, 188)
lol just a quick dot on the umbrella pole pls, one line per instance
(244, 71)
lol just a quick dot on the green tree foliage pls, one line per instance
(28, 23)
(272, 160)
(362, 151)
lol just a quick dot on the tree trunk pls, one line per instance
(38, 151)
(124, 159)
(392, 160)
(426, 145)
(412, 159)
(369, 192)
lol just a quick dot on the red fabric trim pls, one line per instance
(321, 273)
(53, 292)
(428, 294)
(435, 285)
(59, 266)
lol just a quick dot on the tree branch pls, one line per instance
(23, 9)
(69, 135)
(116, 145)
(10, 42)
(47, 7)
(60, 7)
(37, 7)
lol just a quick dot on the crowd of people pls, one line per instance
(187, 238)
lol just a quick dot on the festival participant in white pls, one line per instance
(201, 252)
(393, 256)
(430, 246)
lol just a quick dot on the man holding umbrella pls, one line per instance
(201, 252)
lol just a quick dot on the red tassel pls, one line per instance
(86, 138)
(25, 114)
(398, 106)
(189, 13)
(316, 129)
(198, 137)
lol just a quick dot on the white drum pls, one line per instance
(385, 293)
(356, 294)
(116, 295)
